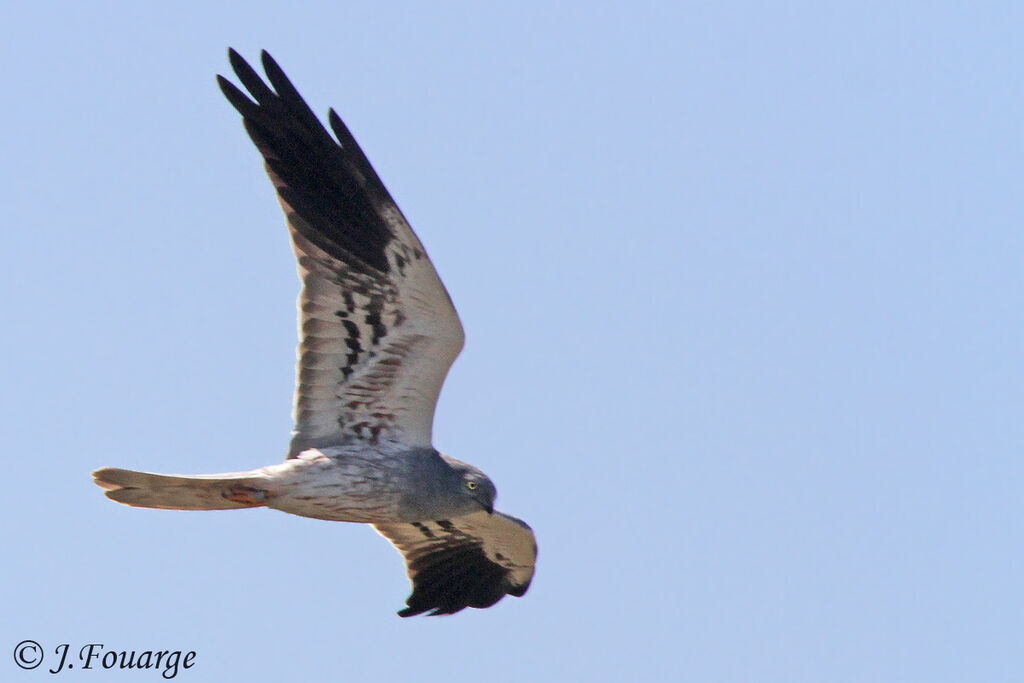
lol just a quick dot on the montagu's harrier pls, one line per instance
(378, 334)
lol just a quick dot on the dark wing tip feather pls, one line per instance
(246, 107)
(354, 153)
(249, 78)
(448, 580)
(344, 208)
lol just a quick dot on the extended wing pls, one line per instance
(469, 561)
(378, 330)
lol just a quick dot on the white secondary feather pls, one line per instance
(374, 349)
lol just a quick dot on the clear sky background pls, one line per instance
(742, 287)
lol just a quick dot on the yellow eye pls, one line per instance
(471, 485)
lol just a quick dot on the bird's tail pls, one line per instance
(230, 491)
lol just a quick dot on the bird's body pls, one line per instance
(378, 334)
(334, 484)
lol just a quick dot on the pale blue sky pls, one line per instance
(742, 287)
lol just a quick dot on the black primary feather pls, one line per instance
(332, 196)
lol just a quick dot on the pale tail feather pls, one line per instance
(230, 491)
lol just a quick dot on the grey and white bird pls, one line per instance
(378, 333)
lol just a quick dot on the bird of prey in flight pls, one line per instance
(378, 333)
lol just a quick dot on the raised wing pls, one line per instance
(468, 561)
(378, 331)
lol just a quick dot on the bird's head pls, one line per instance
(473, 484)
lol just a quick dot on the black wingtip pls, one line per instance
(250, 79)
(342, 201)
(276, 74)
(246, 107)
(225, 85)
(341, 131)
(237, 61)
(268, 60)
(336, 123)
(288, 93)
(519, 591)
